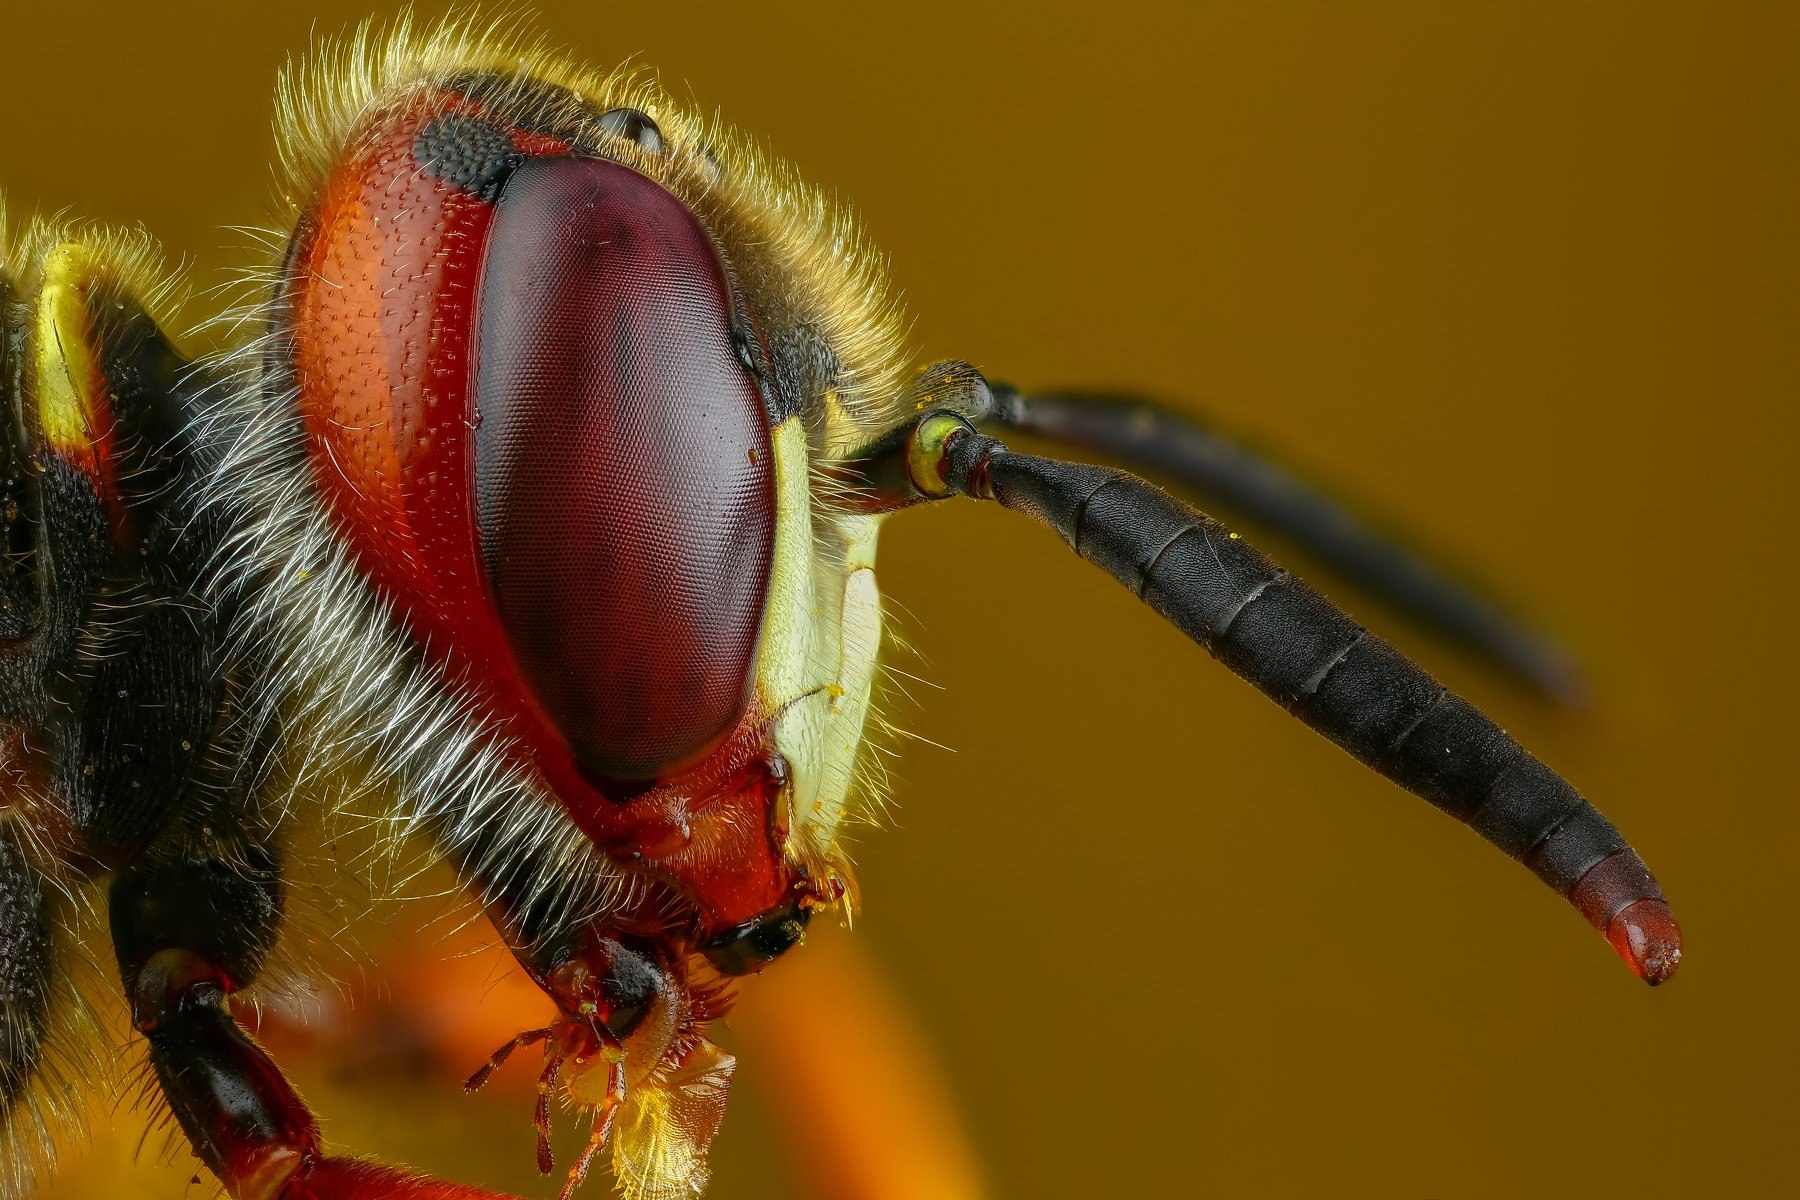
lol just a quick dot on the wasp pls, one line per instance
(523, 522)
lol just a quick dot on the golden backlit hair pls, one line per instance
(755, 202)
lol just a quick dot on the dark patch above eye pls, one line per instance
(633, 126)
(466, 152)
(524, 103)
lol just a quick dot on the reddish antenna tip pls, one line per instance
(1620, 898)
(1648, 939)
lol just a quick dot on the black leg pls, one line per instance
(191, 927)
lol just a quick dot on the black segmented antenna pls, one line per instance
(1299, 649)
(1145, 436)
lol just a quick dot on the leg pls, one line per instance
(190, 929)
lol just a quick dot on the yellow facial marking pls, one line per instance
(816, 662)
(788, 630)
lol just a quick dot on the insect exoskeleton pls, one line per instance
(539, 540)
(526, 526)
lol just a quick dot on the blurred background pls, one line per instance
(1524, 275)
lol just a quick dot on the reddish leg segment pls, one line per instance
(245, 1120)
(352, 1179)
(189, 931)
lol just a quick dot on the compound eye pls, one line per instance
(624, 485)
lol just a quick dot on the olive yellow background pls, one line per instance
(1523, 274)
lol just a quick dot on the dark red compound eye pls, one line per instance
(624, 488)
(526, 416)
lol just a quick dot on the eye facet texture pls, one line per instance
(624, 490)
